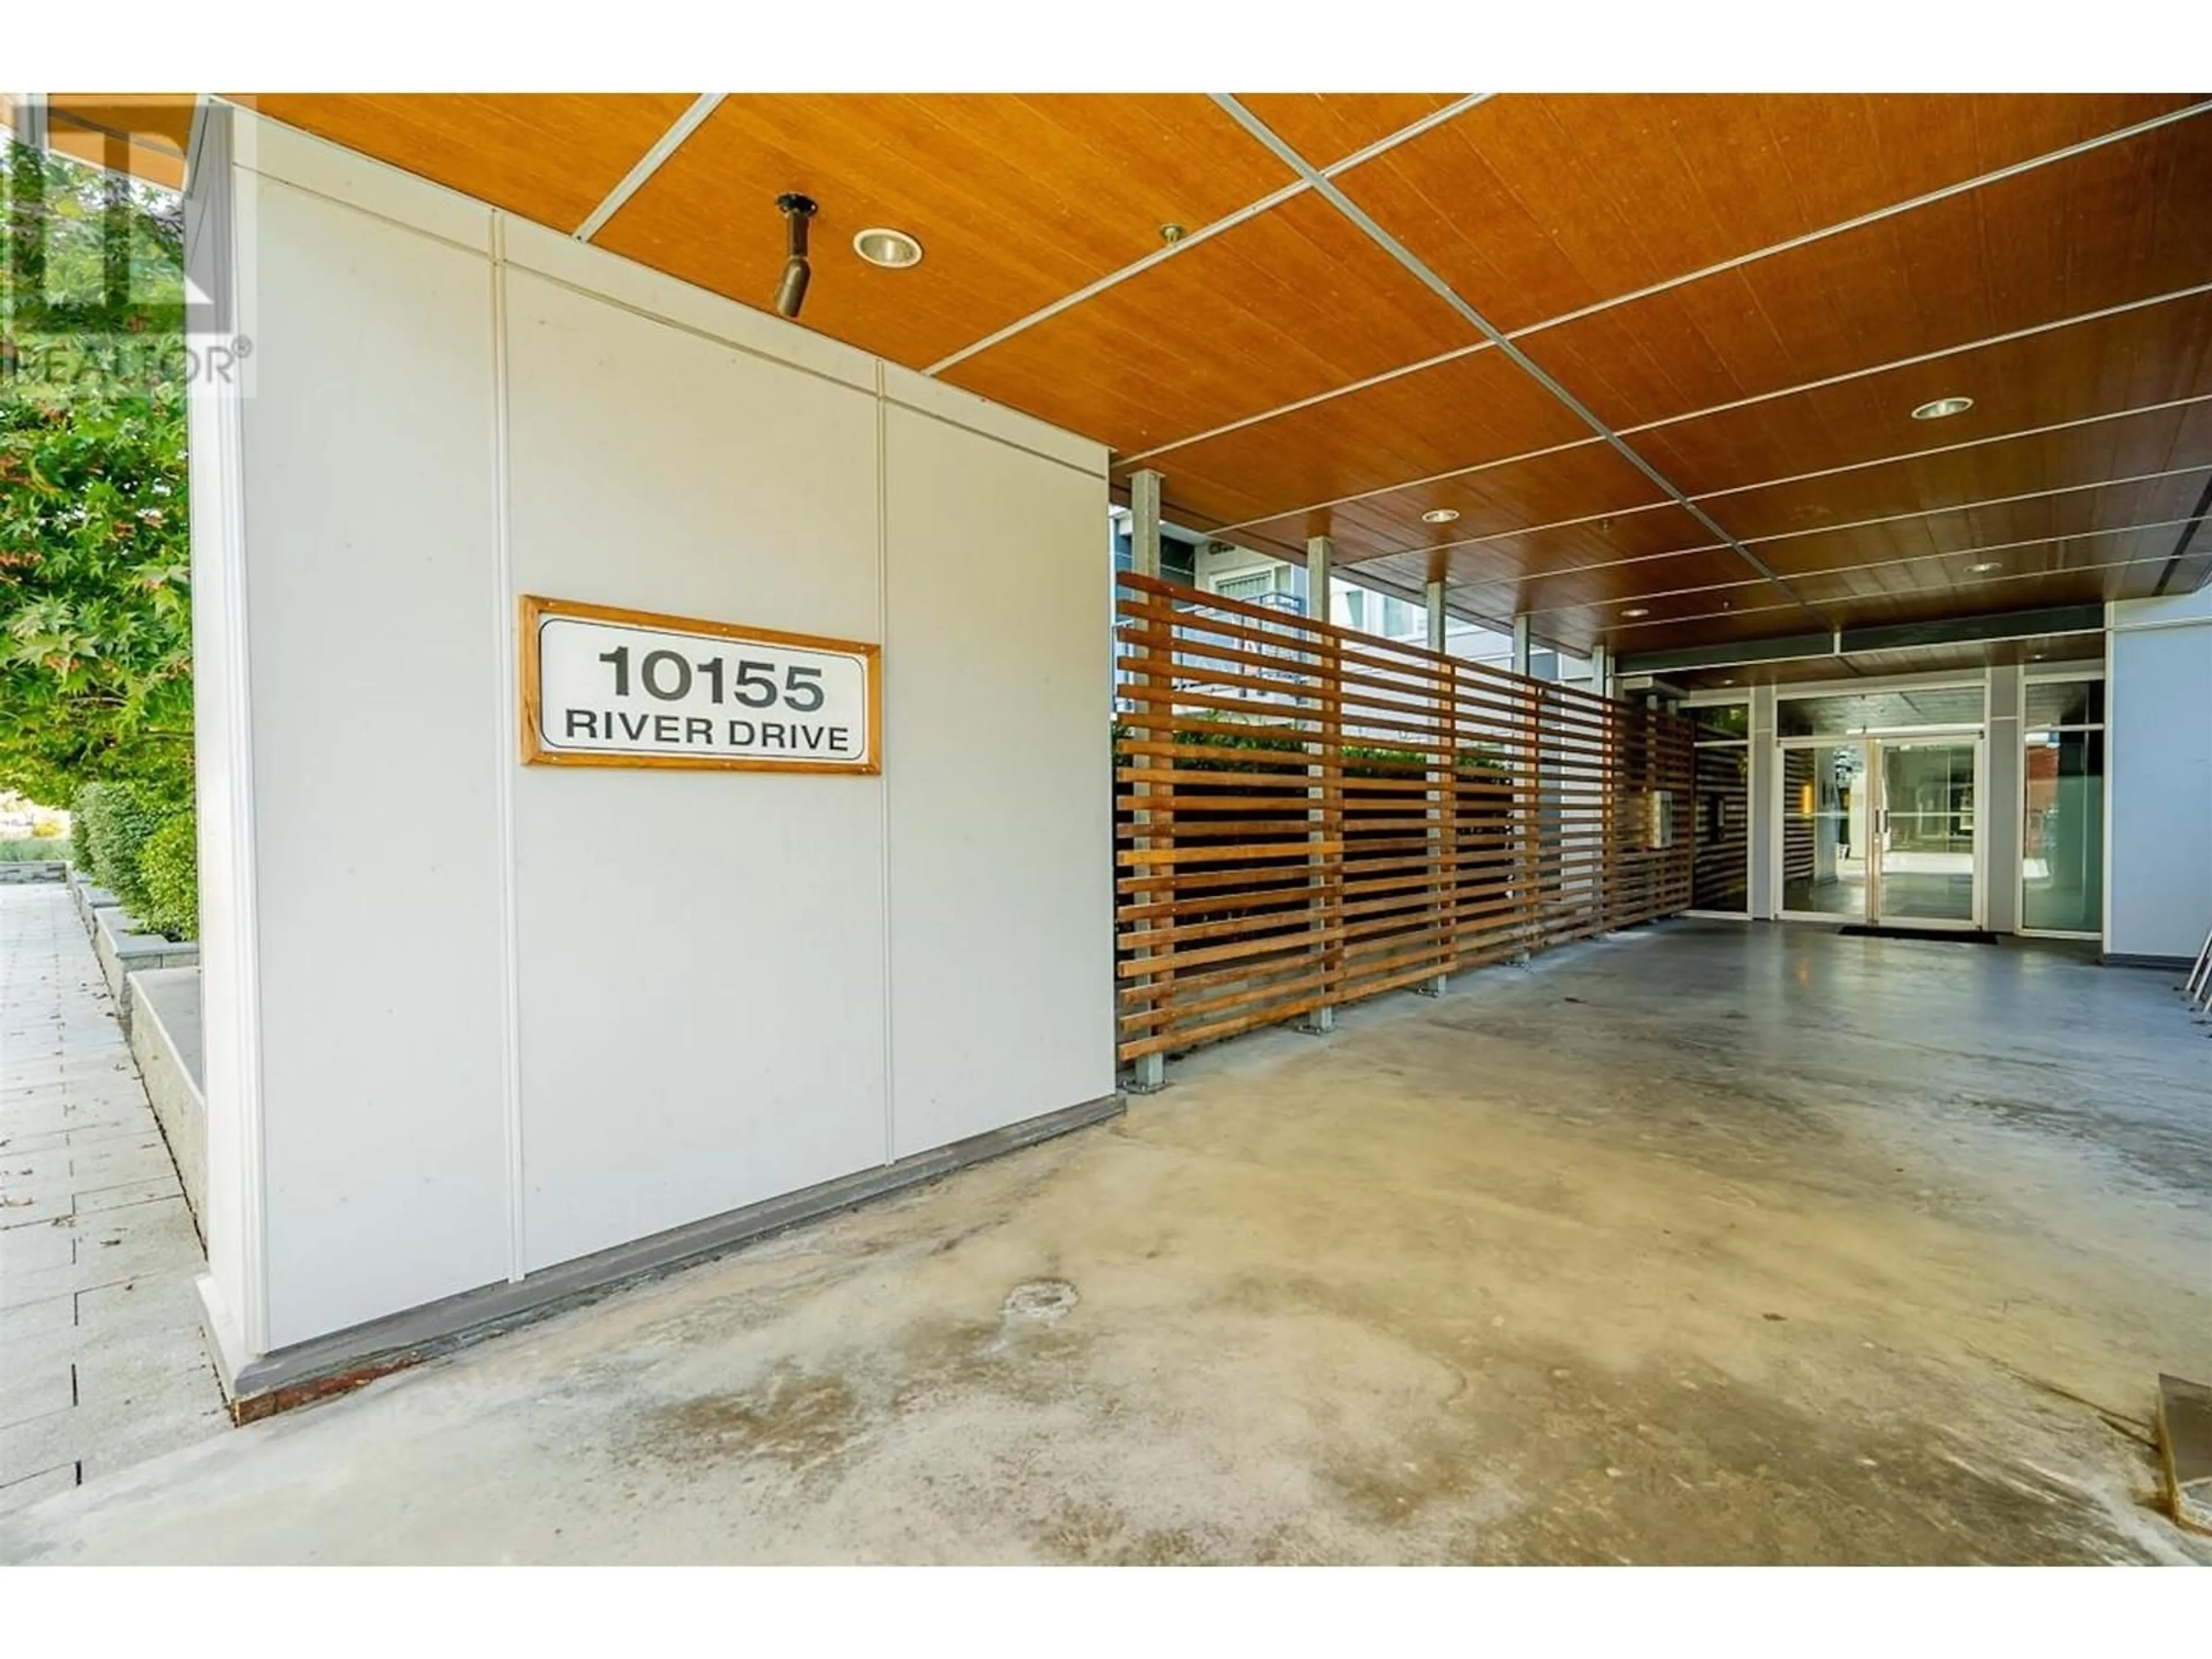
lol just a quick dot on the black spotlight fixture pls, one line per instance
(791, 292)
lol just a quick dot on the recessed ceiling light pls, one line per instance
(1728, 681)
(1440, 515)
(1984, 567)
(894, 250)
(1637, 611)
(1942, 408)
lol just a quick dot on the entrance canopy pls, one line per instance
(1678, 375)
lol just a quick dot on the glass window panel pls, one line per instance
(1925, 835)
(1727, 720)
(2062, 843)
(1879, 711)
(1823, 830)
(2065, 702)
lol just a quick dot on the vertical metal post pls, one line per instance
(1149, 1072)
(1321, 568)
(1766, 786)
(1531, 817)
(27, 117)
(1443, 802)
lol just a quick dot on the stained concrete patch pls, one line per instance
(1491, 1279)
(793, 1418)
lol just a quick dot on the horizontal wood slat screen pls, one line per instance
(1306, 816)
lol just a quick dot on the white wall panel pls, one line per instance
(701, 953)
(2160, 735)
(507, 1016)
(368, 531)
(997, 759)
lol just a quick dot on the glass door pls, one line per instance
(1927, 840)
(1827, 812)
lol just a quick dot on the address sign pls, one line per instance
(605, 687)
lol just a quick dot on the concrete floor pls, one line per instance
(1710, 1243)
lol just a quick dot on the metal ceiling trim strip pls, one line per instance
(1969, 507)
(1854, 569)
(1760, 610)
(1838, 570)
(1751, 541)
(648, 164)
(1733, 489)
(1443, 290)
(2028, 333)
(1876, 215)
(1497, 536)
(2181, 542)
(1333, 393)
(1741, 403)
(1417, 483)
(1952, 449)
(1808, 237)
(1414, 129)
(1113, 278)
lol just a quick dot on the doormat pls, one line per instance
(1943, 935)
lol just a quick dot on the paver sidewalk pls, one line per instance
(101, 1360)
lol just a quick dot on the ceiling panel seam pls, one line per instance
(1204, 233)
(1973, 506)
(1807, 238)
(2181, 542)
(1686, 552)
(1981, 182)
(1873, 598)
(1451, 296)
(1732, 489)
(648, 164)
(1849, 570)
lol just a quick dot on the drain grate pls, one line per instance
(1042, 1300)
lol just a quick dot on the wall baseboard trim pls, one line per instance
(348, 1359)
(2126, 959)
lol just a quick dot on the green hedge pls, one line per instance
(140, 844)
(169, 878)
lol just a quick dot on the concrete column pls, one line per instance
(1601, 670)
(1149, 1072)
(1520, 643)
(1144, 521)
(2001, 805)
(1438, 626)
(1321, 568)
(1765, 761)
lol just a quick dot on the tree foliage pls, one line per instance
(95, 613)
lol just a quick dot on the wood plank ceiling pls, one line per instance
(1709, 320)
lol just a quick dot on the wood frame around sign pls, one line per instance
(532, 609)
